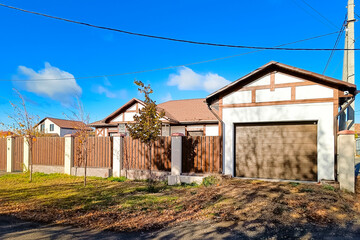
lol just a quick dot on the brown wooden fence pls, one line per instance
(201, 154)
(99, 152)
(136, 154)
(3, 150)
(18, 154)
(49, 151)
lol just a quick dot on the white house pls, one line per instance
(59, 127)
(280, 122)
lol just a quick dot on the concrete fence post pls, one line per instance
(69, 154)
(26, 155)
(118, 142)
(9, 154)
(176, 160)
(346, 160)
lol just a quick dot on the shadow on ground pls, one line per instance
(13, 228)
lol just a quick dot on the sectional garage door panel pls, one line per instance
(277, 151)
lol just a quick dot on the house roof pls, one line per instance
(177, 111)
(123, 107)
(276, 66)
(63, 123)
(189, 110)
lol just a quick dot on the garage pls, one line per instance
(280, 122)
(276, 150)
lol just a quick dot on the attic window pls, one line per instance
(51, 127)
(42, 127)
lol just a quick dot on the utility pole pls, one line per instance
(347, 119)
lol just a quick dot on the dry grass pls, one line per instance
(128, 206)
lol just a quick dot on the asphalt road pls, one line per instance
(13, 228)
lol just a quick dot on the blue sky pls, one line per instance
(33, 47)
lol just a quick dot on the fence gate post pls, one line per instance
(69, 154)
(9, 154)
(346, 160)
(176, 160)
(26, 155)
(118, 142)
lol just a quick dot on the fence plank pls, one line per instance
(140, 157)
(46, 151)
(3, 152)
(99, 152)
(201, 154)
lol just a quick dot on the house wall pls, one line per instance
(47, 123)
(64, 131)
(279, 103)
(209, 129)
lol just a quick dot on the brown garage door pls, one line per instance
(276, 151)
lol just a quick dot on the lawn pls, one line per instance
(115, 204)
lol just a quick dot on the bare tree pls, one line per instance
(147, 126)
(23, 124)
(81, 120)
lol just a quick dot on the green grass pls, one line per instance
(67, 192)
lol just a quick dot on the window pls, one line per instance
(42, 127)
(195, 133)
(51, 127)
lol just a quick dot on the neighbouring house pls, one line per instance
(60, 127)
(280, 122)
(4, 134)
(357, 128)
(190, 117)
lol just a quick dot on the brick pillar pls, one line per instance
(69, 154)
(9, 154)
(346, 160)
(26, 155)
(176, 160)
(118, 143)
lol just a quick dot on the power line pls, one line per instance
(325, 18)
(174, 39)
(335, 45)
(164, 68)
(308, 12)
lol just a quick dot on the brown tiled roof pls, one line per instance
(69, 124)
(189, 110)
(276, 66)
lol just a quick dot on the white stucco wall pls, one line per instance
(321, 112)
(284, 78)
(238, 97)
(279, 94)
(313, 91)
(260, 82)
(212, 130)
(119, 118)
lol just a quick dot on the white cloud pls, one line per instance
(166, 98)
(122, 94)
(107, 92)
(63, 91)
(187, 79)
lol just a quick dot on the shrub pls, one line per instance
(329, 187)
(117, 179)
(294, 184)
(210, 180)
